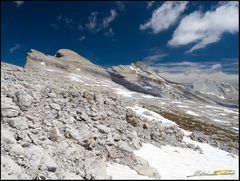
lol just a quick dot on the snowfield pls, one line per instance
(117, 172)
(176, 162)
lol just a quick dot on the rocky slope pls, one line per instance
(225, 93)
(64, 61)
(139, 77)
(58, 123)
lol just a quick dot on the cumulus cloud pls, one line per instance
(19, 3)
(206, 28)
(164, 16)
(14, 48)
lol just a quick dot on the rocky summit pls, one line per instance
(63, 117)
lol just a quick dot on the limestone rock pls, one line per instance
(148, 171)
(54, 134)
(16, 149)
(18, 122)
(8, 108)
(7, 137)
(55, 106)
(11, 170)
(24, 100)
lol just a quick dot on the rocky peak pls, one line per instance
(137, 71)
(64, 60)
(71, 55)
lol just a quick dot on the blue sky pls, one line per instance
(174, 35)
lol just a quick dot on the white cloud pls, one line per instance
(61, 20)
(187, 67)
(109, 33)
(54, 26)
(194, 75)
(109, 19)
(19, 3)
(92, 22)
(216, 67)
(95, 24)
(14, 48)
(206, 28)
(59, 17)
(80, 27)
(149, 60)
(188, 71)
(121, 5)
(165, 16)
(150, 4)
(82, 38)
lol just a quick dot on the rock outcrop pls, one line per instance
(65, 61)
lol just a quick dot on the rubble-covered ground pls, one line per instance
(65, 126)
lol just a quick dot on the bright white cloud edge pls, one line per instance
(206, 28)
(164, 16)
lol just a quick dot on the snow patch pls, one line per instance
(50, 70)
(178, 163)
(228, 110)
(192, 113)
(182, 106)
(176, 102)
(222, 97)
(123, 92)
(74, 77)
(132, 68)
(147, 87)
(43, 63)
(151, 115)
(219, 121)
(148, 96)
(118, 172)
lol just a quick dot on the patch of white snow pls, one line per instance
(192, 113)
(178, 163)
(151, 115)
(119, 172)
